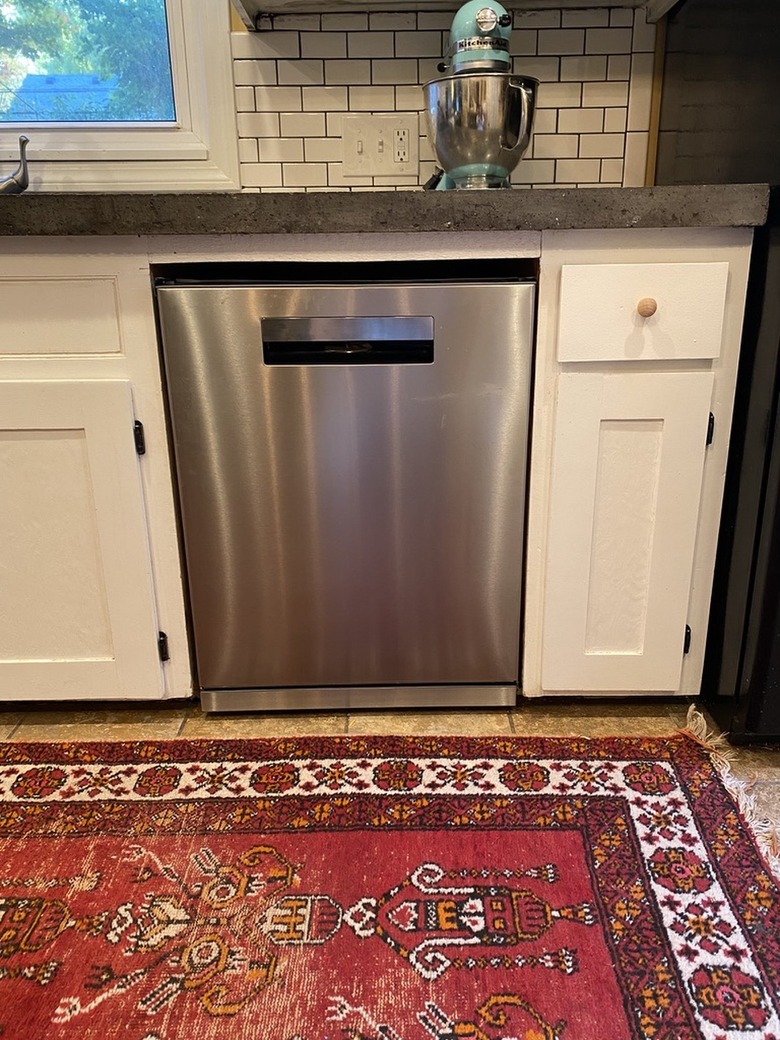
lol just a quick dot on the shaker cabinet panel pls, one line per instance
(641, 312)
(628, 458)
(78, 608)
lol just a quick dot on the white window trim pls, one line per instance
(198, 153)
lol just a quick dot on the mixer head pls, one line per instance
(479, 39)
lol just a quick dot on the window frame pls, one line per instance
(197, 152)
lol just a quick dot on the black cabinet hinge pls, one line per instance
(140, 437)
(710, 428)
(687, 640)
(162, 646)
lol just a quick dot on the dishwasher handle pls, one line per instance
(372, 340)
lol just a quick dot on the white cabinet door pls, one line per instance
(627, 472)
(78, 615)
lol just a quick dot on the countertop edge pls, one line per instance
(245, 213)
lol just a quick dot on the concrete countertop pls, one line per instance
(245, 213)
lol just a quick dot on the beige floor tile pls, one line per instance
(101, 724)
(756, 763)
(589, 718)
(9, 720)
(766, 797)
(247, 726)
(431, 723)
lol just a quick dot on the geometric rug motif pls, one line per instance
(382, 888)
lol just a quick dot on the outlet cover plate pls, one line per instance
(380, 146)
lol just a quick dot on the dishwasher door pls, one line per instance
(351, 467)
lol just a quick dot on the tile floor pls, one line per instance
(760, 766)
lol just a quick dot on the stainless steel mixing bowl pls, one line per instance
(479, 124)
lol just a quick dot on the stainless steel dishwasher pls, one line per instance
(351, 465)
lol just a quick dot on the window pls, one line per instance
(119, 95)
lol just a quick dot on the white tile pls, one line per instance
(635, 160)
(265, 44)
(409, 99)
(394, 70)
(299, 175)
(322, 149)
(545, 69)
(304, 22)
(302, 124)
(343, 71)
(615, 120)
(558, 95)
(399, 180)
(247, 149)
(333, 124)
(281, 149)
(640, 91)
(546, 121)
(325, 99)
(602, 146)
(427, 69)
(534, 171)
(604, 95)
(608, 41)
(346, 22)
(418, 44)
(324, 45)
(258, 124)
(260, 175)
(612, 171)
(254, 73)
(577, 170)
(644, 33)
(620, 16)
(555, 146)
(589, 17)
(329, 188)
(619, 66)
(434, 19)
(278, 99)
(371, 99)
(537, 19)
(370, 45)
(301, 72)
(593, 184)
(337, 179)
(590, 67)
(425, 150)
(281, 191)
(580, 120)
(523, 41)
(561, 41)
(245, 99)
(393, 20)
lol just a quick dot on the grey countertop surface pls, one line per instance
(250, 213)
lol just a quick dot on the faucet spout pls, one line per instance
(20, 178)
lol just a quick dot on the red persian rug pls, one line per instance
(382, 889)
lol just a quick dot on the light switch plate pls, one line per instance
(380, 146)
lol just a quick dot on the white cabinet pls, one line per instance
(628, 457)
(89, 560)
(79, 614)
(624, 492)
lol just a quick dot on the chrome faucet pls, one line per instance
(20, 178)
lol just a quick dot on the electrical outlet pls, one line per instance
(380, 146)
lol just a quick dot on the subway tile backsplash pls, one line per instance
(294, 82)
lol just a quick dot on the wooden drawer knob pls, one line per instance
(647, 307)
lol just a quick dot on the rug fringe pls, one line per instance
(765, 831)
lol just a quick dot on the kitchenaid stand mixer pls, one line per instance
(479, 115)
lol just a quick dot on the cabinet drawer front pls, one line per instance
(55, 316)
(601, 319)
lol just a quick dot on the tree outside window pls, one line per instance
(78, 61)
